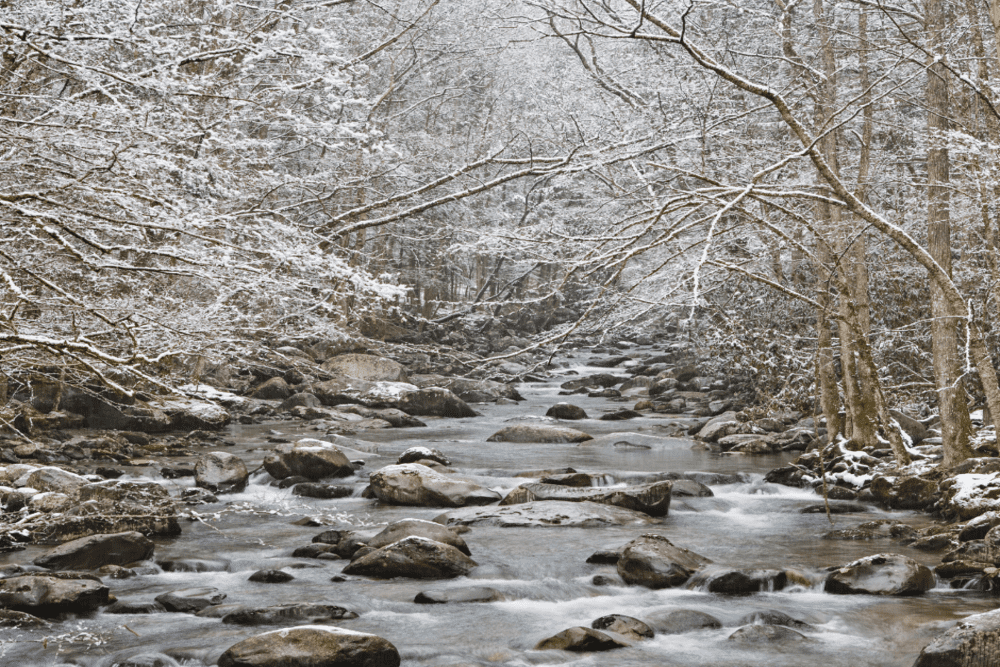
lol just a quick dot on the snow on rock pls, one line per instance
(969, 495)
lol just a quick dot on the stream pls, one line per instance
(541, 572)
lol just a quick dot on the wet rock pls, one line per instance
(414, 454)
(739, 582)
(454, 595)
(302, 612)
(766, 634)
(366, 367)
(300, 400)
(322, 491)
(605, 557)
(654, 562)
(545, 513)
(397, 418)
(198, 497)
(679, 621)
(143, 660)
(309, 647)
(604, 393)
(690, 488)
(773, 617)
(49, 502)
(910, 493)
(414, 558)
(435, 402)
(881, 574)
(191, 600)
(221, 472)
(52, 479)
(195, 565)
(652, 499)
(598, 380)
(717, 427)
(136, 607)
(626, 626)
(419, 528)
(566, 411)
(873, 530)
(977, 528)
(789, 475)
(90, 553)
(961, 568)
(271, 577)
(19, 619)
(581, 639)
(620, 415)
(190, 414)
(579, 479)
(415, 484)
(275, 389)
(611, 362)
(309, 458)
(836, 508)
(317, 550)
(535, 433)
(52, 594)
(973, 642)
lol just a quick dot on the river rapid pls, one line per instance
(541, 572)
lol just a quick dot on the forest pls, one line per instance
(776, 211)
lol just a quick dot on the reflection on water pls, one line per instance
(541, 573)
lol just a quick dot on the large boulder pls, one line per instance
(459, 595)
(626, 626)
(434, 402)
(766, 634)
(582, 639)
(275, 389)
(190, 600)
(190, 414)
(90, 553)
(535, 433)
(221, 472)
(719, 426)
(545, 514)
(679, 621)
(975, 642)
(470, 390)
(908, 493)
(566, 411)
(654, 562)
(968, 495)
(881, 574)
(311, 646)
(415, 484)
(739, 582)
(414, 558)
(54, 479)
(652, 499)
(309, 458)
(366, 367)
(287, 614)
(102, 413)
(52, 594)
(399, 530)
(598, 380)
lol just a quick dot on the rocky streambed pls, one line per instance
(506, 537)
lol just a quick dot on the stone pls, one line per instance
(296, 612)
(52, 479)
(652, 499)
(881, 574)
(414, 558)
(455, 595)
(719, 426)
(581, 639)
(191, 600)
(415, 484)
(654, 562)
(414, 454)
(221, 472)
(322, 491)
(366, 367)
(620, 415)
(773, 617)
(679, 621)
(19, 619)
(49, 501)
(303, 399)
(974, 642)
(90, 553)
(626, 626)
(546, 513)
(191, 414)
(52, 594)
(311, 646)
(435, 402)
(309, 458)
(690, 488)
(598, 380)
(766, 634)
(419, 528)
(566, 411)
(275, 389)
(969, 495)
(910, 493)
(739, 582)
(910, 426)
(270, 577)
(137, 607)
(535, 433)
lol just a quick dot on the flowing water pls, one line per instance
(542, 572)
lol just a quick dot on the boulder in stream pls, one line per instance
(282, 614)
(652, 499)
(434, 402)
(545, 513)
(972, 643)
(191, 600)
(566, 411)
(415, 484)
(53, 594)
(309, 458)
(654, 562)
(221, 472)
(535, 433)
(582, 639)
(454, 595)
(766, 634)
(414, 558)
(623, 625)
(394, 532)
(90, 553)
(366, 367)
(679, 621)
(310, 646)
(415, 454)
(739, 582)
(881, 574)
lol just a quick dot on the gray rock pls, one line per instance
(434, 402)
(366, 367)
(309, 458)
(598, 380)
(399, 530)
(454, 595)
(303, 399)
(19, 619)
(191, 600)
(414, 454)
(415, 484)
(679, 621)
(625, 626)
(739, 582)
(51, 594)
(974, 642)
(271, 577)
(766, 634)
(323, 491)
(414, 558)
(195, 565)
(310, 647)
(546, 513)
(654, 562)
(717, 427)
(129, 607)
(773, 617)
(910, 426)
(273, 389)
(566, 411)
(542, 434)
(282, 614)
(221, 472)
(881, 574)
(90, 553)
(52, 479)
(652, 499)
(581, 639)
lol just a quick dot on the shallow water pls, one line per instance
(541, 571)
